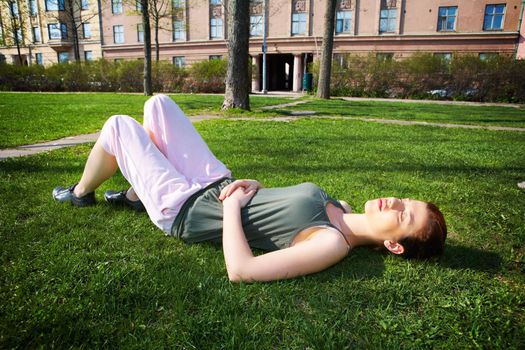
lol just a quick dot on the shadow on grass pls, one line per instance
(462, 257)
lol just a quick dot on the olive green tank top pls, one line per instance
(270, 220)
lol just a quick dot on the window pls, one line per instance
(177, 4)
(343, 22)
(215, 2)
(54, 5)
(118, 34)
(140, 33)
(36, 35)
(216, 28)
(215, 57)
(179, 30)
(13, 8)
(388, 21)
(63, 30)
(256, 25)
(63, 57)
(84, 5)
(88, 55)
(138, 5)
(179, 61)
(116, 6)
(298, 23)
(384, 56)
(494, 17)
(484, 56)
(18, 35)
(445, 56)
(86, 29)
(447, 18)
(39, 58)
(33, 9)
(57, 31)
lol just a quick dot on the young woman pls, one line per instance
(190, 194)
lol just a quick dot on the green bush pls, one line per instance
(465, 77)
(207, 76)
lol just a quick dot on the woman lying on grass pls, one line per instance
(190, 194)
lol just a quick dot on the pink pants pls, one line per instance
(166, 166)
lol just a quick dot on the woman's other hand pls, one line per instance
(246, 184)
(241, 196)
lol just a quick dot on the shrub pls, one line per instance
(465, 77)
(207, 76)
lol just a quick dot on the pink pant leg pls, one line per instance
(183, 146)
(159, 185)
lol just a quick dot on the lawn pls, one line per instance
(100, 277)
(438, 113)
(33, 117)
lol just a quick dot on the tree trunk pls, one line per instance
(74, 29)
(323, 88)
(14, 29)
(157, 49)
(147, 48)
(237, 78)
(76, 45)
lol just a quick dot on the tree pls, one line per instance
(323, 89)
(147, 48)
(237, 76)
(13, 25)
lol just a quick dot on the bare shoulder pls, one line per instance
(327, 237)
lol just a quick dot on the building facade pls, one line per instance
(192, 30)
(49, 31)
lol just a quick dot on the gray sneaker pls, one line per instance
(65, 194)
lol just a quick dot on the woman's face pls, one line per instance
(394, 218)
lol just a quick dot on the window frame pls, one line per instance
(33, 8)
(179, 30)
(444, 19)
(342, 21)
(215, 28)
(86, 56)
(53, 28)
(140, 33)
(84, 30)
(174, 61)
(39, 58)
(119, 34)
(116, 7)
(299, 23)
(256, 25)
(60, 53)
(34, 32)
(388, 20)
(493, 15)
(60, 5)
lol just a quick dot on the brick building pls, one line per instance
(191, 30)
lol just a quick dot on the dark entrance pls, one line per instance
(279, 72)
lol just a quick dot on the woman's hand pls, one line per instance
(247, 185)
(241, 196)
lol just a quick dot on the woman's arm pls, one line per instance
(324, 249)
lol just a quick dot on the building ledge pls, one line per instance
(58, 44)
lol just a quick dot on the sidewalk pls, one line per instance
(26, 150)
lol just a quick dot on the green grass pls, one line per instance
(34, 117)
(100, 277)
(456, 114)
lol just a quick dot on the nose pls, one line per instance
(395, 203)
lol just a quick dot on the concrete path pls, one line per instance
(438, 102)
(86, 138)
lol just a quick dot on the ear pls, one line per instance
(394, 247)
